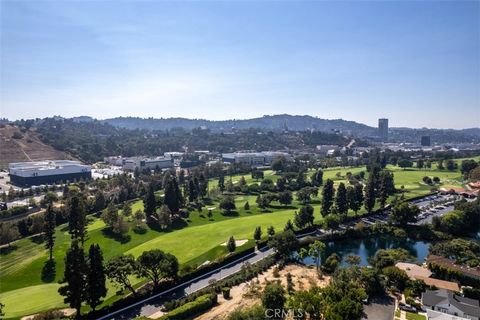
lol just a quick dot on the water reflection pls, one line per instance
(367, 247)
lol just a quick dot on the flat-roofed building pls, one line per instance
(264, 158)
(147, 163)
(35, 173)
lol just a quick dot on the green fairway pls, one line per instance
(25, 291)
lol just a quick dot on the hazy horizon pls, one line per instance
(242, 119)
(414, 62)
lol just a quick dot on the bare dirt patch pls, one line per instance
(238, 243)
(27, 148)
(248, 294)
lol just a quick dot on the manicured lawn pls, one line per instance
(415, 316)
(24, 291)
(21, 267)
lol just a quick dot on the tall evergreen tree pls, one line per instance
(150, 205)
(221, 182)
(351, 200)
(341, 199)
(96, 279)
(192, 191)
(257, 235)
(77, 220)
(317, 178)
(271, 231)
(288, 226)
(74, 278)
(173, 196)
(358, 197)
(369, 200)
(306, 215)
(49, 229)
(231, 244)
(203, 185)
(327, 197)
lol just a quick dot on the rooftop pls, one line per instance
(43, 165)
(440, 284)
(413, 270)
(442, 296)
(445, 262)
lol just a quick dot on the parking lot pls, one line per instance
(434, 206)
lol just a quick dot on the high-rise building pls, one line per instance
(426, 141)
(383, 129)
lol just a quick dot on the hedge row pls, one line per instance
(190, 309)
(15, 211)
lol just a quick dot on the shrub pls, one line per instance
(190, 309)
(226, 292)
(50, 315)
(140, 228)
(276, 273)
(13, 211)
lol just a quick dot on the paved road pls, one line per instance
(153, 304)
(381, 308)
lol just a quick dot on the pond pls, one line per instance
(367, 247)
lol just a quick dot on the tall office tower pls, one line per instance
(383, 129)
(426, 141)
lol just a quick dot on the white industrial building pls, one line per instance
(264, 158)
(141, 163)
(34, 173)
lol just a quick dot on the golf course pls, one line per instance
(28, 286)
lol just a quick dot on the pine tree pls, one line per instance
(351, 198)
(383, 190)
(298, 221)
(288, 226)
(192, 191)
(271, 231)
(77, 218)
(341, 199)
(74, 278)
(221, 183)
(246, 206)
(173, 196)
(327, 197)
(203, 186)
(164, 217)
(127, 209)
(96, 279)
(231, 245)
(358, 197)
(257, 235)
(150, 205)
(49, 230)
(369, 201)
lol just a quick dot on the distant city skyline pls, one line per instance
(413, 62)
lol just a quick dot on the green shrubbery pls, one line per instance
(13, 211)
(190, 309)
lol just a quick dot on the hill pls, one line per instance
(274, 123)
(16, 146)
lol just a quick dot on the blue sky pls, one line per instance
(415, 62)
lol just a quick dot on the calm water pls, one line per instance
(366, 248)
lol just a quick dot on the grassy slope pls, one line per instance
(24, 292)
